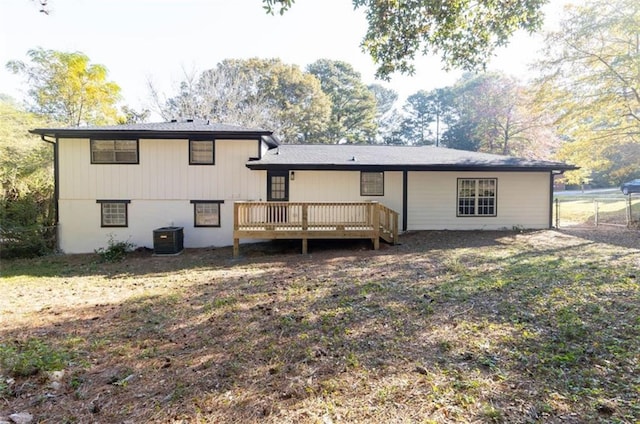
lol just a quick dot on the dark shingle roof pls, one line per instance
(345, 157)
(185, 128)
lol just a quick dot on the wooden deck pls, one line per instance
(313, 220)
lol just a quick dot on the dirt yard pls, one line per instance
(448, 327)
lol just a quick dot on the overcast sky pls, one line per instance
(141, 40)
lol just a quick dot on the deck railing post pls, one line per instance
(305, 216)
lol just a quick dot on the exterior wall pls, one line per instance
(162, 185)
(160, 189)
(341, 186)
(522, 201)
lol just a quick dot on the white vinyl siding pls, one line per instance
(80, 231)
(161, 188)
(344, 186)
(522, 201)
(163, 173)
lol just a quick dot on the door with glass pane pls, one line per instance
(277, 191)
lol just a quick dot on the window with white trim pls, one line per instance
(114, 213)
(201, 152)
(206, 213)
(371, 183)
(477, 196)
(114, 151)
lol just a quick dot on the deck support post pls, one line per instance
(394, 226)
(304, 246)
(236, 241)
(236, 247)
(375, 218)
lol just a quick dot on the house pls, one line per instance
(125, 181)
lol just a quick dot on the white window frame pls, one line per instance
(477, 197)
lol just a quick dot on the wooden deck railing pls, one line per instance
(313, 220)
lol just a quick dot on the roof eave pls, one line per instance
(159, 134)
(399, 167)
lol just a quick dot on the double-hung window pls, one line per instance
(114, 213)
(115, 151)
(201, 152)
(477, 196)
(372, 183)
(206, 213)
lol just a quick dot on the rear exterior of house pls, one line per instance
(123, 182)
(431, 188)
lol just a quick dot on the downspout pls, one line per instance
(56, 181)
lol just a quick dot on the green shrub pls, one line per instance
(26, 227)
(31, 357)
(26, 242)
(115, 250)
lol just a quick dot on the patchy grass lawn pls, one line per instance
(447, 327)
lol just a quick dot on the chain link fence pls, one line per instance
(596, 211)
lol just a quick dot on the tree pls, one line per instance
(26, 184)
(67, 88)
(462, 135)
(353, 105)
(426, 113)
(498, 110)
(418, 119)
(386, 114)
(132, 116)
(463, 33)
(263, 93)
(440, 103)
(591, 79)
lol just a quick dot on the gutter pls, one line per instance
(257, 166)
(154, 134)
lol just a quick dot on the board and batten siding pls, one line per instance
(343, 186)
(522, 201)
(160, 189)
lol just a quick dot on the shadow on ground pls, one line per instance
(447, 326)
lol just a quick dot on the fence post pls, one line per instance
(557, 213)
(595, 207)
(629, 211)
